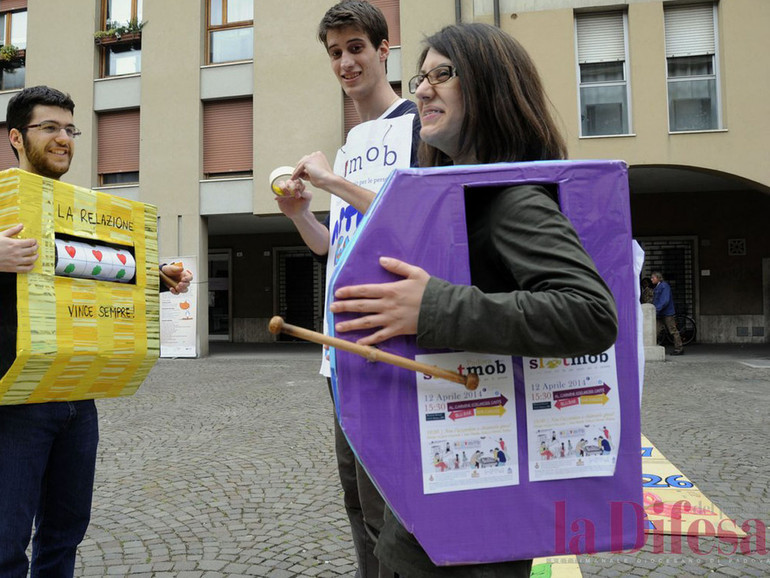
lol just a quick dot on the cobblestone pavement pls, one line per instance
(224, 467)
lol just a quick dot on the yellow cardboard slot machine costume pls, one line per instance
(84, 323)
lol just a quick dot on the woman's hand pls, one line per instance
(393, 307)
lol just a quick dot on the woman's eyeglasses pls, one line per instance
(434, 76)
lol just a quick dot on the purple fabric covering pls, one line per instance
(419, 217)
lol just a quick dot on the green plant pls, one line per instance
(117, 30)
(9, 52)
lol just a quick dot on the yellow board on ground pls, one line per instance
(556, 567)
(79, 338)
(673, 503)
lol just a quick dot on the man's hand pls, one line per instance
(295, 200)
(316, 169)
(393, 307)
(17, 255)
(182, 276)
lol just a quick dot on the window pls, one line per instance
(602, 59)
(118, 158)
(230, 30)
(13, 32)
(228, 138)
(693, 92)
(122, 54)
(391, 9)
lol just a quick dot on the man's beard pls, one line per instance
(38, 160)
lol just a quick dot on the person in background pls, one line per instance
(665, 312)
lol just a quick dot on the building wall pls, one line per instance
(418, 21)
(730, 300)
(292, 83)
(171, 121)
(547, 32)
(298, 108)
(67, 63)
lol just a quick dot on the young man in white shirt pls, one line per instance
(355, 35)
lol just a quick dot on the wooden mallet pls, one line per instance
(168, 280)
(277, 325)
(173, 283)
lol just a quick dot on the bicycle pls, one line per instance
(687, 329)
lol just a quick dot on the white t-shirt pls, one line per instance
(370, 153)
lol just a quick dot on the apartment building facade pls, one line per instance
(189, 105)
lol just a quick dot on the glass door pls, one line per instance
(220, 310)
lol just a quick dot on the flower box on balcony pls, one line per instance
(12, 57)
(126, 38)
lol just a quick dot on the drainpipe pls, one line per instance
(458, 11)
(497, 12)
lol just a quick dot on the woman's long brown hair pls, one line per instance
(507, 114)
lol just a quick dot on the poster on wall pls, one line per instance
(178, 315)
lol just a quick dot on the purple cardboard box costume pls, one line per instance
(419, 217)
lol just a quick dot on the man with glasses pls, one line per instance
(47, 450)
(355, 36)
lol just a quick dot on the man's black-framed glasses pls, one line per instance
(52, 128)
(434, 76)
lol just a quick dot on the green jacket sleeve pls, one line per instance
(558, 305)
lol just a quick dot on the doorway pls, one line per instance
(299, 278)
(220, 295)
(676, 259)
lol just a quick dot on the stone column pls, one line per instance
(652, 351)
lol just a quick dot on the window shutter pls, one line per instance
(351, 117)
(600, 37)
(10, 5)
(118, 135)
(228, 136)
(7, 158)
(391, 9)
(690, 30)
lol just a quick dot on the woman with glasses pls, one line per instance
(536, 292)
